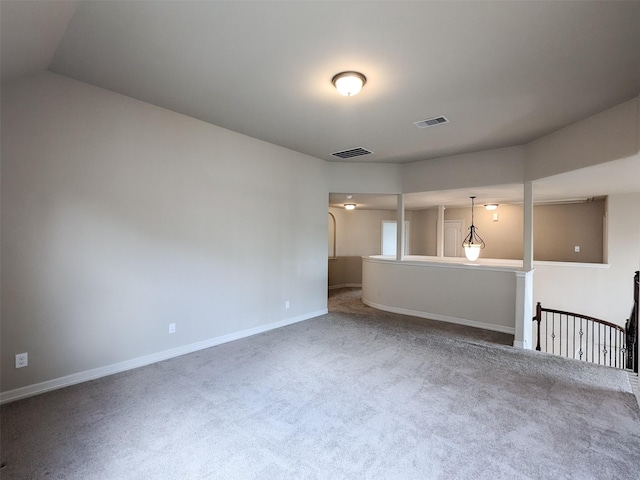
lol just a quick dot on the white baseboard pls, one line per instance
(75, 378)
(346, 285)
(442, 318)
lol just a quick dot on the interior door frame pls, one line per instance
(459, 224)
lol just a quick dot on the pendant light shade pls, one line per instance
(472, 251)
(472, 243)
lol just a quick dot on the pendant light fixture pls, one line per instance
(472, 242)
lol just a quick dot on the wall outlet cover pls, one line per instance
(22, 360)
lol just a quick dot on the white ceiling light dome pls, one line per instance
(349, 83)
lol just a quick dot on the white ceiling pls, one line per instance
(29, 35)
(503, 73)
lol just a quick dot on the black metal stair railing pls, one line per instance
(631, 328)
(581, 337)
(590, 339)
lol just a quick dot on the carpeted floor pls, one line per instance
(355, 394)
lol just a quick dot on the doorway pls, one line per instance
(453, 238)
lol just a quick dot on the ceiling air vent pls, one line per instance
(431, 122)
(352, 152)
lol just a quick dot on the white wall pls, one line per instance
(351, 177)
(358, 232)
(478, 296)
(604, 293)
(601, 292)
(119, 218)
(606, 136)
(492, 167)
(424, 238)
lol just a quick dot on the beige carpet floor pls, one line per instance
(355, 394)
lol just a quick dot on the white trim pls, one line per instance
(495, 264)
(546, 263)
(524, 310)
(442, 318)
(449, 262)
(66, 381)
(345, 285)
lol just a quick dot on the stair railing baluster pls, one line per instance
(538, 318)
(611, 341)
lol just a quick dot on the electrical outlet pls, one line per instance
(172, 328)
(286, 304)
(576, 249)
(22, 360)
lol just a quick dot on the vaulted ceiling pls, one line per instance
(502, 73)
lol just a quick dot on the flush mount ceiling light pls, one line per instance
(349, 206)
(472, 242)
(491, 206)
(349, 83)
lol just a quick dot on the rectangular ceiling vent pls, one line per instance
(431, 122)
(352, 152)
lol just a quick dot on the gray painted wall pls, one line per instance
(606, 136)
(116, 221)
(558, 228)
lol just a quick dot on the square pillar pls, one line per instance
(524, 310)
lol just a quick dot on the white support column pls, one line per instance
(524, 310)
(400, 229)
(440, 232)
(524, 279)
(527, 245)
